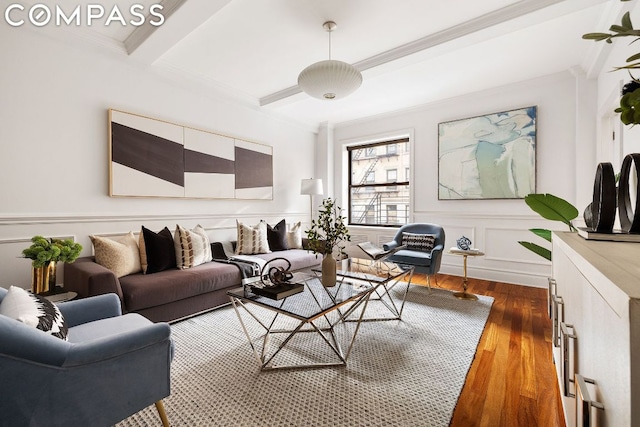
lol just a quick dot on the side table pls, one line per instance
(59, 295)
(465, 282)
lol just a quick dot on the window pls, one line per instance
(377, 194)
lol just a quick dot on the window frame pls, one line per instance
(350, 185)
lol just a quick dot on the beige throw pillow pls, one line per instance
(294, 236)
(190, 248)
(120, 256)
(252, 240)
(208, 256)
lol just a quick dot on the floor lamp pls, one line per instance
(312, 187)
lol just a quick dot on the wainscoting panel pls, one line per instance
(496, 235)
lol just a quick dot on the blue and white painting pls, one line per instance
(488, 157)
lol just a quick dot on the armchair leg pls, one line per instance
(162, 413)
(429, 282)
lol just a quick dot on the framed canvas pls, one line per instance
(488, 157)
(154, 158)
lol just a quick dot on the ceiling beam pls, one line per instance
(485, 21)
(148, 43)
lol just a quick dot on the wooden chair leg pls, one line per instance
(429, 282)
(162, 413)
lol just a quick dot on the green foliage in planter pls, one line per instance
(43, 250)
(630, 101)
(552, 208)
(329, 231)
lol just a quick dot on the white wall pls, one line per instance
(54, 156)
(494, 226)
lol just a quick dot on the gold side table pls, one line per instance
(465, 281)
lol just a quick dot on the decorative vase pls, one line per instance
(328, 270)
(43, 279)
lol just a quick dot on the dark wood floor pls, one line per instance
(512, 379)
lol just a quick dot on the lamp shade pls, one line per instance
(329, 79)
(311, 186)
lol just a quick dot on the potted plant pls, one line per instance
(326, 236)
(45, 254)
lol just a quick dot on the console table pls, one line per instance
(594, 299)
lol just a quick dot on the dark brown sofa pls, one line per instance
(171, 294)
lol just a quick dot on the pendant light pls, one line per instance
(329, 79)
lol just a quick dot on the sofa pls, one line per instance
(174, 293)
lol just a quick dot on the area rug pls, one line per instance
(399, 373)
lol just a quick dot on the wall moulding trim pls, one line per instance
(28, 240)
(64, 219)
(485, 235)
(500, 271)
(478, 215)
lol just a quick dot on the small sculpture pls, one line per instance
(276, 275)
(463, 243)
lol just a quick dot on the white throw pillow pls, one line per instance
(252, 240)
(34, 310)
(190, 248)
(121, 256)
(294, 236)
(206, 242)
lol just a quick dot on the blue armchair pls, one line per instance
(424, 262)
(111, 367)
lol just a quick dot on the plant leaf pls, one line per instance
(542, 232)
(537, 249)
(553, 208)
(626, 21)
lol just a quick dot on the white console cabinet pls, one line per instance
(598, 286)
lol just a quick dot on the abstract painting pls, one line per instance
(488, 157)
(154, 158)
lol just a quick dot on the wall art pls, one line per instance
(488, 157)
(154, 158)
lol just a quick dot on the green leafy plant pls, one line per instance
(630, 101)
(552, 208)
(43, 250)
(329, 231)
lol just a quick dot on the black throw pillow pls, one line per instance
(161, 254)
(217, 250)
(277, 236)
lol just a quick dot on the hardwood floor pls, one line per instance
(512, 379)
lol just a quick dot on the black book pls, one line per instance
(278, 292)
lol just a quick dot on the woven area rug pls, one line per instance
(399, 373)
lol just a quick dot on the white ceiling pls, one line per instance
(411, 52)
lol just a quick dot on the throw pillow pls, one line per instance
(217, 249)
(34, 310)
(157, 252)
(205, 237)
(294, 236)
(190, 248)
(420, 242)
(252, 240)
(277, 236)
(121, 256)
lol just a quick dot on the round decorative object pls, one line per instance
(629, 216)
(276, 275)
(603, 209)
(329, 79)
(463, 243)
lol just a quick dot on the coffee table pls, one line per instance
(315, 310)
(318, 309)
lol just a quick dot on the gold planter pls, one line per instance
(43, 279)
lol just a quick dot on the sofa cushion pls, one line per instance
(157, 252)
(419, 242)
(34, 310)
(252, 240)
(190, 248)
(143, 291)
(121, 256)
(198, 229)
(277, 236)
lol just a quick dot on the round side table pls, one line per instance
(465, 282)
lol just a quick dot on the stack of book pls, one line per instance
(471, 251)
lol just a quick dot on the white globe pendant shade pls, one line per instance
(329, 79)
